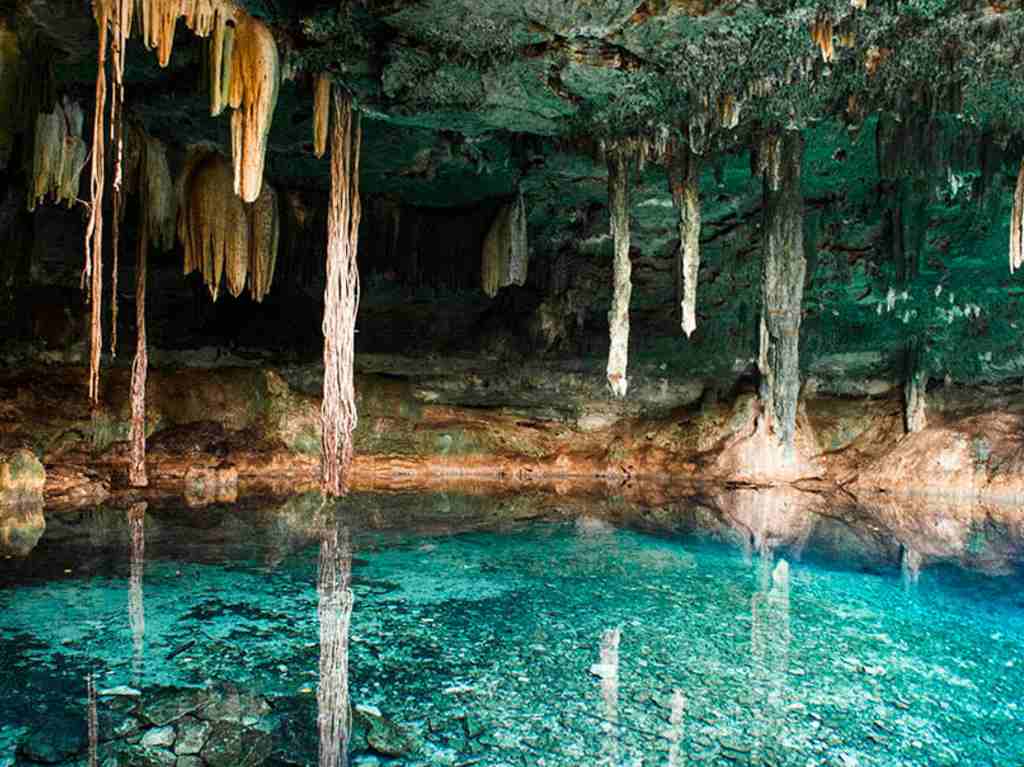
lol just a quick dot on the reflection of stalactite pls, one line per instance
(136, 606)
(910, 566)
(675, 731)
(335, 611)
(782, 283)
(622, 288)
(607, 669)
(92, 726)
(770, 638)
(684, 183)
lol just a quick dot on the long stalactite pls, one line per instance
(1017, 223)
(341, 297)
(684, 182)
(618, 159)
(782, 283)
(255, 78)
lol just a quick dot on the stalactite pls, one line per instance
(222, 45)
(59, 154)
(505, 256)
(1017, 223)
(699, 129)
(213, 224)
(321, 113)
(341, 297)
(156, 189)
(158, 19)
(222, 237)
(684, 183)
(334, 609)
(618, 316)
(821, 34)
(915, 386)
(782, 286)
(255, 77)
(264, 234)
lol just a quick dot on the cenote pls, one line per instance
(526, 383)
(739, 627)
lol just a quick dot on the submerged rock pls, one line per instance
(383, 735)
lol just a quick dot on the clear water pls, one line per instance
(551, 642)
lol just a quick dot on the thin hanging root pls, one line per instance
(321, 113)
(618, 315)
(93, 271)
(1017, 224)
(255, 77)
(341, 298)
(684, 182)
(137, 460)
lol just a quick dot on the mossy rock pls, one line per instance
(21, 471)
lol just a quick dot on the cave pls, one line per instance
(621, 288)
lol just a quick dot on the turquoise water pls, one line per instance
(557, 641)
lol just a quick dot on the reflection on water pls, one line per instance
(136, 605)
(741, 627)
(769, 646)
(334, 609)
(92, 720)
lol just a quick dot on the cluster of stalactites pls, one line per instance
(822, 34)
(505, 256)
(1017, 223)
(148, 175)
(222, 237)
(244, 73)
(156, 20)
(60, 154)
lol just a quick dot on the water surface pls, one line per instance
(238, 635)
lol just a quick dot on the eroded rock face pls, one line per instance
(437, 427)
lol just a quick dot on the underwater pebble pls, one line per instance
(158, 736)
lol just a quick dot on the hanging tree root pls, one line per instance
(341, 298)
(137, 462)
